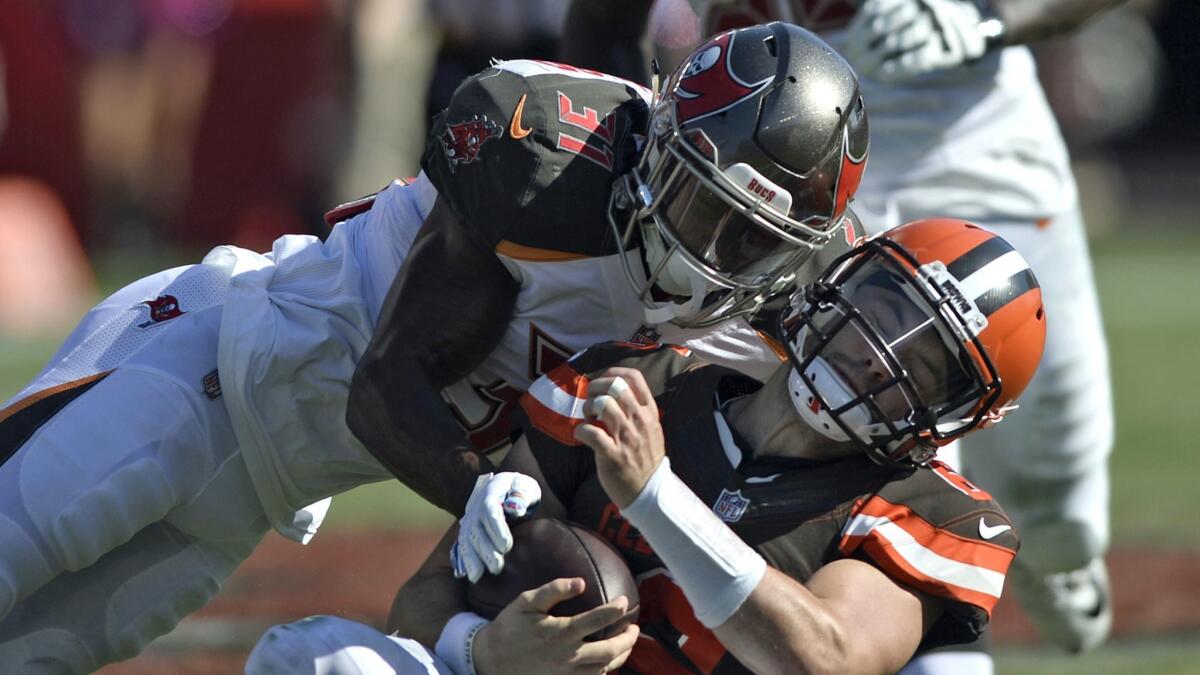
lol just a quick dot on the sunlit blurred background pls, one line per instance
(136, 134)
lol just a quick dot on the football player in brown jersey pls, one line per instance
(956, 99)
(801, 525)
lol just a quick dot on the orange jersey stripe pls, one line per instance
(774, 344)
(919, 554)
(899, 569)
(554, 403)
(46, 393)
(964, 549)
(958, 482)
(550, 422)
(532, 254)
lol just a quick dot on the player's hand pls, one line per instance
(624, 431)
(483, 534)
(899, 40)
(524, 638)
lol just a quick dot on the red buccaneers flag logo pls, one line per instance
(462, 141)
(163, 308)
(707, 84)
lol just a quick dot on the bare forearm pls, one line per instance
(847, 618)
(443, 315)
(407, 426)
(1032, 20)
(784, 628)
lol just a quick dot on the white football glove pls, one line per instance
(899, 40)
(483, 534)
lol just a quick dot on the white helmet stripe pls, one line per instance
(993, 274)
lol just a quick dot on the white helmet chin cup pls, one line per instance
(677, 278)
(837, 393)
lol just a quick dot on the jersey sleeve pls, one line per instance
(936, 532)
(553, 405)
(526, 152)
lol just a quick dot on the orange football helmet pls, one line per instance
(915, 337)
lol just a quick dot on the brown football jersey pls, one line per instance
(928, 529)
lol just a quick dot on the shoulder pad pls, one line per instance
(527, 151)
(348, 210)
(553, 405)
(358, 206)
(934, 531)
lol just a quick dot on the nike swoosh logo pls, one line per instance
(991, 531)
(514, 128)
(763, 479)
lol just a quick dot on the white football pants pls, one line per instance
(124, 507)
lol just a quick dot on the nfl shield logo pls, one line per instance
(731, 506)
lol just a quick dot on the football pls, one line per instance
(545, 549)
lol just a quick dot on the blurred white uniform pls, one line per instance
(133, 479)
(979, 142)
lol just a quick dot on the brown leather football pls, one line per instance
(545, 549)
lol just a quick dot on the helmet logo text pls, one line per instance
(761, 190)
(956, 296)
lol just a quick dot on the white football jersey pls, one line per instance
(568, 303)
(297, 320)
(986, 148)
(295, 323)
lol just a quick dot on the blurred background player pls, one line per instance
(966, 131)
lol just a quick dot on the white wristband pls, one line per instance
(456, 643)
(716, 570)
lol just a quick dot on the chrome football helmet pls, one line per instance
(757, 142)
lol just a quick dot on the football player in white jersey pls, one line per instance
(195, 409)
(960, 127)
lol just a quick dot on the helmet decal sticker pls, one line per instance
(707, 84)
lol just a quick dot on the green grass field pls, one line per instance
(1173, 655)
